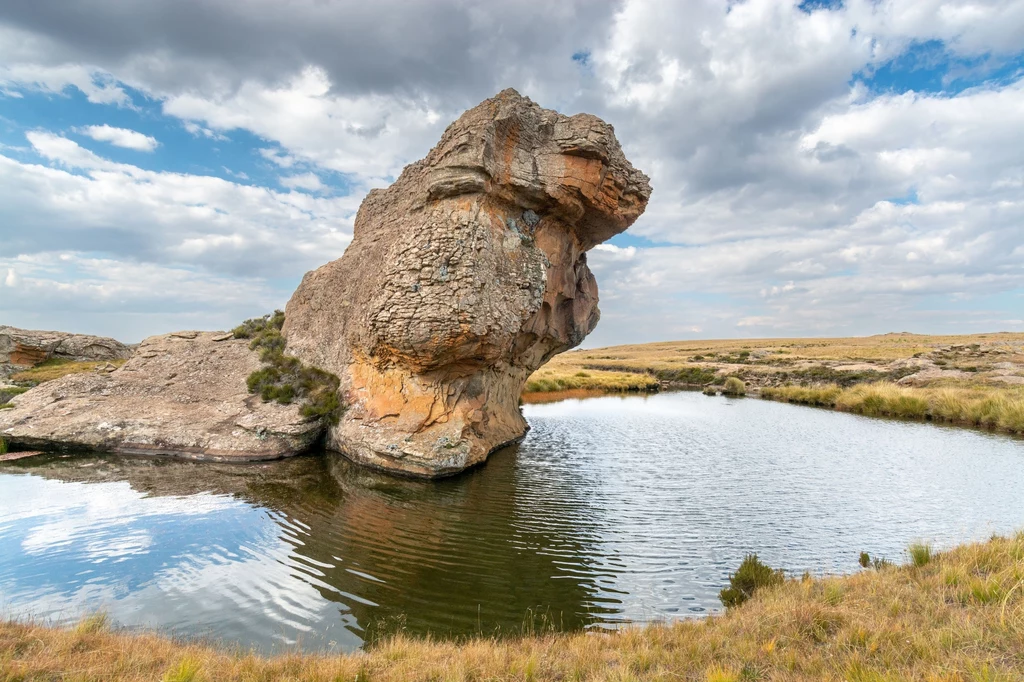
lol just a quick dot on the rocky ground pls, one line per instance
(180, 394)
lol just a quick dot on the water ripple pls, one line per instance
(613, 510)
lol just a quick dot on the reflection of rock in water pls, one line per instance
(456, 556)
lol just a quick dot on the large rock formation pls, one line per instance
(23, 348)
(180, 394)
(462, 278)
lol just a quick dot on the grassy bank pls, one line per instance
(554, 378)
(979, 406)
(973, 380)
(954, 617)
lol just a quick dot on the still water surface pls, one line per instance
(612, 510)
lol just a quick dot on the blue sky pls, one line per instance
(818, 168)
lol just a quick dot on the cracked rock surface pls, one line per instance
(180, 394)
(462, 278)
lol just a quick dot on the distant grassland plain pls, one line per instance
(971, 380)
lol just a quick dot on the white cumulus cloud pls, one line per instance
(120, 137)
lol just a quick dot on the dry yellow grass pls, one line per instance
(55, 369)
(981, 406)
(956, 617)
(553, 378)
(677, 355)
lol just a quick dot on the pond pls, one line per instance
(613, 510)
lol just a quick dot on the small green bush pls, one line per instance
(751, 576)
(8, 392)
(734, 386)
(710, 390)
(287, 379)
(691, 375)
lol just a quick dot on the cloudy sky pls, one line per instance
(819, 168)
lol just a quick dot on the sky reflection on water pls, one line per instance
(612, 510)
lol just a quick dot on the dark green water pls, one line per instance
(613, 510)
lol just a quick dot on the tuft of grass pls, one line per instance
(959, 617)
(3, 446)
(877, 563)
(751, 576)
(93, 623)
(920, 554)
(8, 392)
(734, 386)
(287, 379)
(187, 669)
(818, 396)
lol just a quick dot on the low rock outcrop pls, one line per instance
(180, 394)
(462, 278)
(23, 348)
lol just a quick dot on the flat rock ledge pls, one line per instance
(180, 394)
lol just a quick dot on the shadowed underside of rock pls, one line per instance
(463, 277)
(180, 394)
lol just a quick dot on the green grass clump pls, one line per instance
(691, 375)
(877, 563)
(3, 447)
(287, 379)
(920, 554)
(751, 576)
(9, 392)
(257, 326)
(734, 386)
(187, 669)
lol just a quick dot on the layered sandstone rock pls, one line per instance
(462, 278)
(180, 394)
(23, 348)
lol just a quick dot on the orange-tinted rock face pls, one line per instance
(463, 277)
